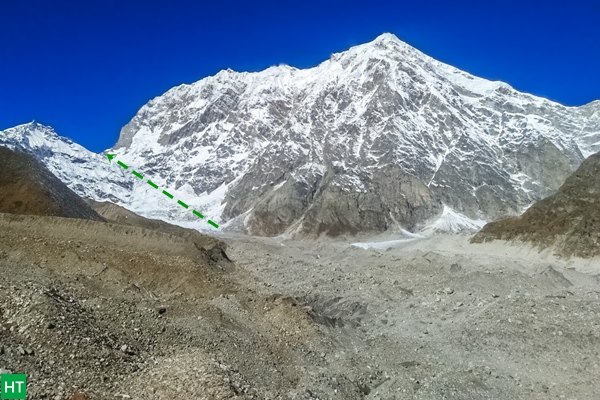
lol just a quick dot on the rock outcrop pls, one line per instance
(568, 221)
(28, 187)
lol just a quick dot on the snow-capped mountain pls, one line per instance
(82, 170)
(376, 137)
(91, 175)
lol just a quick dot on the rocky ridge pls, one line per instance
(568, 221)
(28, 187)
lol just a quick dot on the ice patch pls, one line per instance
(452, 221)
(280, 184)
(382, 245)
(411, 235)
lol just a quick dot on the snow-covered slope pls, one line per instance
(84, 172)
(90, 175)
(379, 136)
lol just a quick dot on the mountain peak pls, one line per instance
(386, 46)
(389, 41)
(33, 125)
(34, 128)
(387, 38)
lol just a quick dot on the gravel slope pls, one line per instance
(440, 318)
(92, 310)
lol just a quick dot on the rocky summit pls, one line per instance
(568, 221)
(379, 137)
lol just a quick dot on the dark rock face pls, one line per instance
(394, 198)
(27, 187)
(279, 209)
(568, 221)
(325, 206)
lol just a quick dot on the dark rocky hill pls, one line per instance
(28, 187)
(569, 220)
(116, 214)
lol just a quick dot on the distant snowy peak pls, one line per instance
(46, 145)
(91, 176)
(35, 136)
(85, 172)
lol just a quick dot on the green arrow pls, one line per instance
(155, 186)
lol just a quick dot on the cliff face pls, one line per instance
(568, 221)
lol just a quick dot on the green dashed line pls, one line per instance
(137, 174)
(155, 186)
(196, 213)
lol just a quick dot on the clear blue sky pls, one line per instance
(85, 67)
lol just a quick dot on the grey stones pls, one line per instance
(455, 268)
